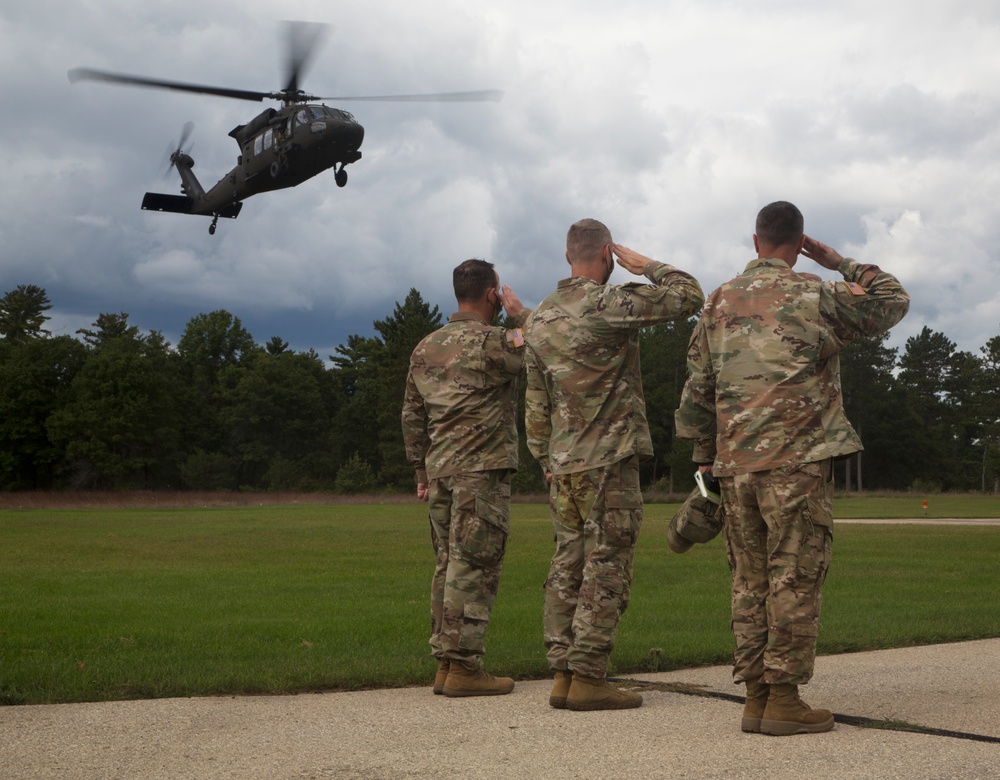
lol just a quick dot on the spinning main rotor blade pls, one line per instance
(89, 74)
(303, 38)
(494, 95)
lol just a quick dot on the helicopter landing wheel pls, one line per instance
(211, 228)
(340, 177)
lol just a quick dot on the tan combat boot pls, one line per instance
(594, 693)
(560, 688)
(787, 714)
(753, 710)
(463, 681)
(442, 674)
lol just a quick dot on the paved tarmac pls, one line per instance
(410, 733)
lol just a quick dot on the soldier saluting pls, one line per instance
(763, 404)
(460, 432)
(586, 426)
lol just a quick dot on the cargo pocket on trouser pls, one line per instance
(609, 591)
(622, 517)
(819, 513)
(486, 539)
(475, 619)
(822, 540)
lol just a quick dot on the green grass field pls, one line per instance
(132, 603)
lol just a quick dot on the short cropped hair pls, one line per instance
(779, 224)
(472, 279)
(586, 240)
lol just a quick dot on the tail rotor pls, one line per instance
(175, 152)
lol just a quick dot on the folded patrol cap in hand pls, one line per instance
(699, 520)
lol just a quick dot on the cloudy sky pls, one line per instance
(671, 121)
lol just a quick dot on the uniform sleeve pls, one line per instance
(414, 420)
(672, 295)
(505, 350)
(867, 303)
(522, 317)
(695, 417)
(538, 411)
(505, 346)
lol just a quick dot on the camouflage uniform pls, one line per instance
(460, 432)
(763, 404)
(586, 424)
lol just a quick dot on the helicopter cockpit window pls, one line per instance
(301, 117)
(339, 113)
(317, 112)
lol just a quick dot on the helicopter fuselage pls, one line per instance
(279, 148)
(282, 148)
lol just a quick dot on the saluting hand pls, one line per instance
(821, 253)
(511, 303)
(630, 260)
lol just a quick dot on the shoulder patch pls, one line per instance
(515, 337)
(855, 288)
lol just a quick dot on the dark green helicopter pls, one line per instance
(280, 147)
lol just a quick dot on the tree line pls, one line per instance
(114, 408)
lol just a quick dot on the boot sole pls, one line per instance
(557, 702)
(750, 725)
(788, 728)
(579, 706)
(455, 693)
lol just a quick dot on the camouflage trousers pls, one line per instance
(470, 520)
(779, 540)
(596, 515)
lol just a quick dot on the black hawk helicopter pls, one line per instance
(280, 147)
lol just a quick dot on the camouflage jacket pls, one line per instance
(763, 387)
(460, 404)
(584, 401)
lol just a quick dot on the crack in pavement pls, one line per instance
(850, 720)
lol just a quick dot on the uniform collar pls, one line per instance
(575, 280)
(465, 316)
(768, 262)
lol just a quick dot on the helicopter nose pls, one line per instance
(344, 134)
(348, 135)
(357, 136)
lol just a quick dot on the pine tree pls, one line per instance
(22, 313)
(373, 376)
